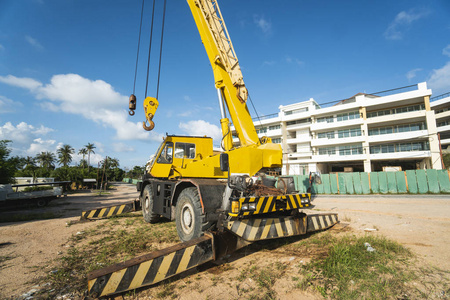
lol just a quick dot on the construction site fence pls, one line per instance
(402, 182)
(130, 180)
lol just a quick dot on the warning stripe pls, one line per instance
(321, 221)
(273, 203)
(267, 228)
(151, 268)
(106, 212)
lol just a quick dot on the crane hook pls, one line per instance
(132, 104)
(151, 123)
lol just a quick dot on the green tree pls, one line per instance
(90, 149)
(8, 166)
(46, 160)
(65, 155)
(84, 152)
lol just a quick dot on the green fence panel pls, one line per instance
(392, 184)
(341, 183)
(382, 181)
(357, 183)
(302, 183)
(318, 188)
(374, 184)
(135, 181)
(444, 182)
(365, 183)
(334, 183)
(326, 184)
(422, 181)
(401, 182)
(411, 177)
(433, 183)
(349, 183)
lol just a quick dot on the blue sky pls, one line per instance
(67, 66)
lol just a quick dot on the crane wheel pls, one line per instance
(188, 215)
(147, 205)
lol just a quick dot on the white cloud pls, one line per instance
(121, 147)
(446, 51)
(33, 42)
(201, 128)
(263, 24)
(95, 100)
(7, 105)
(25, 83)
(411, 74)
(402, 22)
(439, 79)
(27, 139)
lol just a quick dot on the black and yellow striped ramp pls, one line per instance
(256, 229)
(151, 268)
(321, 221)
(110, 211)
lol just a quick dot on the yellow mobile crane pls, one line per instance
(220, 202)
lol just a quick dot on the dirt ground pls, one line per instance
(421, 223)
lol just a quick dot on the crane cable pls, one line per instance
(161, 48)
(149, 49)
(138, 47)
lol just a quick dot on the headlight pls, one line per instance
(235, 207)
(252, 206)
(245, 206)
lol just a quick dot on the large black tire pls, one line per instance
(188, 215)
(147, 205)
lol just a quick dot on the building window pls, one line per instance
(398, 128)
(274, 127)
(350, 150)
(326, 135)
(327, 151)
(401, 147)
(261, 130)
(295, 111)
(302, 121)
(325, 119)
(344, 133)
(276, 141)
(348, 116)
(398, 110)
(443, 123)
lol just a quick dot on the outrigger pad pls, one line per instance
(110, 211)
(151, 268)
(255, 229)
(321, 221)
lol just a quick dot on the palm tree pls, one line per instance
(65, 154)
(90, 149)
(46, 160)
(84, 152)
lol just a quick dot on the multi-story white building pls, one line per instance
(364, 133)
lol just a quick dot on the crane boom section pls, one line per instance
(227, 72)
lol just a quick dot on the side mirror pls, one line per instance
(224, 163)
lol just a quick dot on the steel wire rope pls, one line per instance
(257, 116)
(161, 48)
(150, 49)
(138, 47)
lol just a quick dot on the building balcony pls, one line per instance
(336, 141)
(392, 137)
(412, 116)
(401, 155)
(444, 114)
(340, 124)
(307, 154)
(299, 140)
(338, 158)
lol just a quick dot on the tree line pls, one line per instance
(44, 165)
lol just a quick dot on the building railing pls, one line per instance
(265, 117)
(440, 96)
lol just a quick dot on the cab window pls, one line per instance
(185, 150)
(166, 154)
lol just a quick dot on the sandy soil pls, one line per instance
(422, 223)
